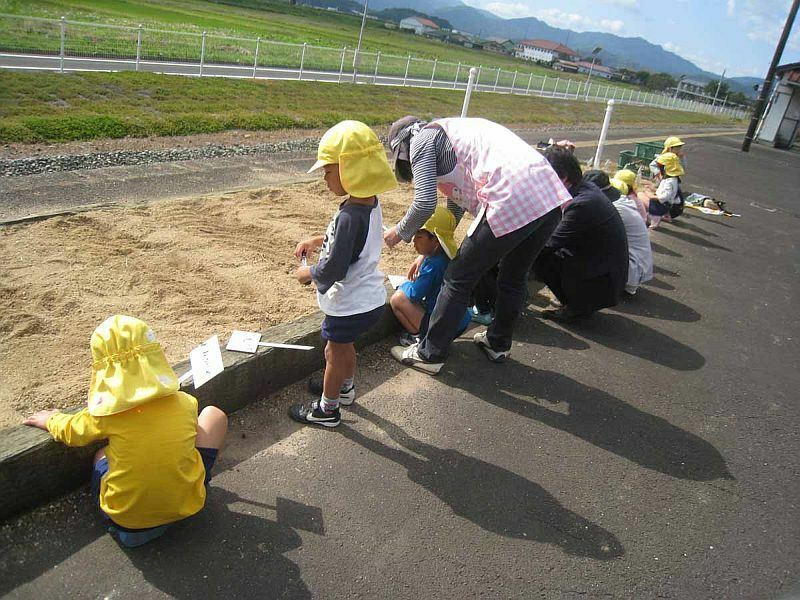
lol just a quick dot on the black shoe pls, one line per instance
(346, 397)
(564, 315)
(312, 414)
(408, 339)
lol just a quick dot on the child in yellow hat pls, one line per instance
(668, 200)
(413, 302)
(350, 288)
(158, 459)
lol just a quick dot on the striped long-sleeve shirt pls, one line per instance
(431, 156)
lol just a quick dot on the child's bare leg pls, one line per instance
(408, 313)
(212, 425)
(340, 364)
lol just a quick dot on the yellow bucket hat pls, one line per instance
(671, 163)
(628, 177)
(620, 185)
(363, 167)
(129, 367)
(671, 142)
(442, 224)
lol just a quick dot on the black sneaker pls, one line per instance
(312, 414)
(346, 397)
(408, 339)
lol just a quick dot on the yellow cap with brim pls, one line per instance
(619, 185)
(671, 163)
(363, 167)
(443, 225)
(129, 367)
(628, 176)
(672, 142)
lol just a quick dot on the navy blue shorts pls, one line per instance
(657, 209)
(345, 330)
(208, 455)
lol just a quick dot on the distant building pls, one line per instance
(691, 87)
(419, 25)
(597, 70)
(781, 123)
(544, 51)
(499, 46)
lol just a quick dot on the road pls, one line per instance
(651, 452)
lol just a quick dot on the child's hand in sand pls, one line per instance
(39, 419)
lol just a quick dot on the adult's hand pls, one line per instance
(413, 271)
(391, 237)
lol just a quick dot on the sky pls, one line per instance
(739, 36)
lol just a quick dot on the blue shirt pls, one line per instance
(425, 289)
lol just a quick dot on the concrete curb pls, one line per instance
(34, 468)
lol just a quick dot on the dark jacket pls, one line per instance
(586, 258)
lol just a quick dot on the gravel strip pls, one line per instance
(73, 162)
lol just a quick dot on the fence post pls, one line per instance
(458, 70)
(138, 46)
(555, 89)
(473, 73)
(530, 79)
(478, 76)
(255, 58)
(377, 62)
(408, 64)
(496, 79)
(302, 60)
(513, 82)
(63, 35)
(569, 81)
(341, 66)
(544, 82)
(202, 53)
(433, 73)
(598, 157)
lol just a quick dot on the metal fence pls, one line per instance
(62, 45)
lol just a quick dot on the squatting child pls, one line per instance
(413, 302)
(350, 288)
(157, 462)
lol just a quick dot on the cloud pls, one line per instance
(731, 7)
(577, 22)
(763, 20)
(672, 47)
(509, 10)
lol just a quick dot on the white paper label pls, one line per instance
(206, 361)
(397, 280)
(243, 341)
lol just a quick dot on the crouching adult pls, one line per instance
(585, 261)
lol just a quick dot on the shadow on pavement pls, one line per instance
(533, 331)
(662, 271)
(225, 553)
(646, 303)
(493, 498)
(684, 224)
(691, 238)
(711, 219)
(220, 552)
(659, 249)
(600, 419)
(626, 335)
(661, 285)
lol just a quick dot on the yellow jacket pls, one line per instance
(155, 473)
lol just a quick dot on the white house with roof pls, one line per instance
(598, 70)
(420, 25)
(781, 123)
(544, 51)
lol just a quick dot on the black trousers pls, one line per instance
(515, 252)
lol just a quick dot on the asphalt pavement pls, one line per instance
(650, 452)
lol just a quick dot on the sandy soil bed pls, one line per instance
(190, 268)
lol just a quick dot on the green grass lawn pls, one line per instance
(52, 107)
(248, 19)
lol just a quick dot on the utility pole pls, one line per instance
(765, 87)
(357, 56)
(719, 84)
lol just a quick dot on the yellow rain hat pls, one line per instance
(620, 185)
(129, 367)
(363, 167)
(627, 176)
(443, 225)
(671, 142)
(672, 164)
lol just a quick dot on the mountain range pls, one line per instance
(634, 53)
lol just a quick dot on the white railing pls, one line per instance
(62, 45)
